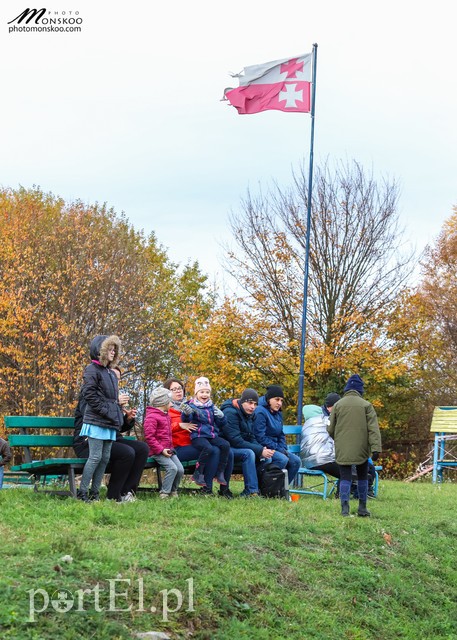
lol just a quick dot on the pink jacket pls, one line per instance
(157, 431)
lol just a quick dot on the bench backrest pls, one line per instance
(38, 422)
(26, 439)
(293, 430)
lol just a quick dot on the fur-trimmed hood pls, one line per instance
(99, 349)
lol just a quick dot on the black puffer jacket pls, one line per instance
(78, 440)
(100, 388)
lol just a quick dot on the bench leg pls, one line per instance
(159, 477)
(72, 482)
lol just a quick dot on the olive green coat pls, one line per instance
(354, 428)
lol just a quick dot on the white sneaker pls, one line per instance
(164, 496)
(174, 494)
(129, 497)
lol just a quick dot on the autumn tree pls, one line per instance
(68, 272)
(357, 270)
(424, 325)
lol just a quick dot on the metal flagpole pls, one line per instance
(301, 378)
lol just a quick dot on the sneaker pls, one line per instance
(82, 495)
(371, 493)
(248, 494)
(220, 478)
(224, 492)
(164, 496)
(199, 478)
(174, 494)
(129, 497)
(94, 496)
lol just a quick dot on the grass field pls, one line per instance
(222, 569)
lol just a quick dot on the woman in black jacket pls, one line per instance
(127, 458)
(103, 415)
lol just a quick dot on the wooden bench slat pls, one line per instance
(38, 422)
(21, 440)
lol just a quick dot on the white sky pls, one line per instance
(128, 111)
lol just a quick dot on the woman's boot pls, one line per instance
(362, 487)
(345, 493)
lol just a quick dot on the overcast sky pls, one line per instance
(128, 111)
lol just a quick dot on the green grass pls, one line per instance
(260, 568)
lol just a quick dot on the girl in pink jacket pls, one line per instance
(157, 433)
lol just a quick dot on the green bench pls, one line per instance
(36, 434)
(17, 479)
(33, 433)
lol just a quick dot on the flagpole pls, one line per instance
(301, 377)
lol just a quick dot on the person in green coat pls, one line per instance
(355, 430)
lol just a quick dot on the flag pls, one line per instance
(283, 85)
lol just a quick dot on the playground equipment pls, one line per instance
(444, 426)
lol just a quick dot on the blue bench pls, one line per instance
(308, 481)
(313, 481)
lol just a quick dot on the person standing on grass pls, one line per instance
(183, 445)
(127, 458)
(157, 433)
(268, 430)
(239, 414)
(355, 430)
(5, 456)
(103, 415)
(209, 419)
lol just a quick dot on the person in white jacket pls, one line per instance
(317, 449)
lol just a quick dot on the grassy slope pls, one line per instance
(261, 568)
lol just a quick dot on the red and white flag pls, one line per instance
(283, 85)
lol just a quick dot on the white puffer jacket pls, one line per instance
(316, 445)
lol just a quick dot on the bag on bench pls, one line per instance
(272, 482)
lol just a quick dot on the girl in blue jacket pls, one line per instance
(201, 411)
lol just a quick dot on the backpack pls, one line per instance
(272, 481)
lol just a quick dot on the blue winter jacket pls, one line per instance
(208, 424)
(268, 427)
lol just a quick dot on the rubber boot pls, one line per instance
(199, 475)
(345, 492)
(220, 478)
(362, 487)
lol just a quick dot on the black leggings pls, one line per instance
(332, 468)
(346, 471)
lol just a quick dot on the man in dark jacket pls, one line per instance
(238, 431)
(355, 430)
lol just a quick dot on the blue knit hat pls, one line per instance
(355, 383)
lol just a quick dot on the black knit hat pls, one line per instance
(249, 394)
(274, 391)
(332, 399)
